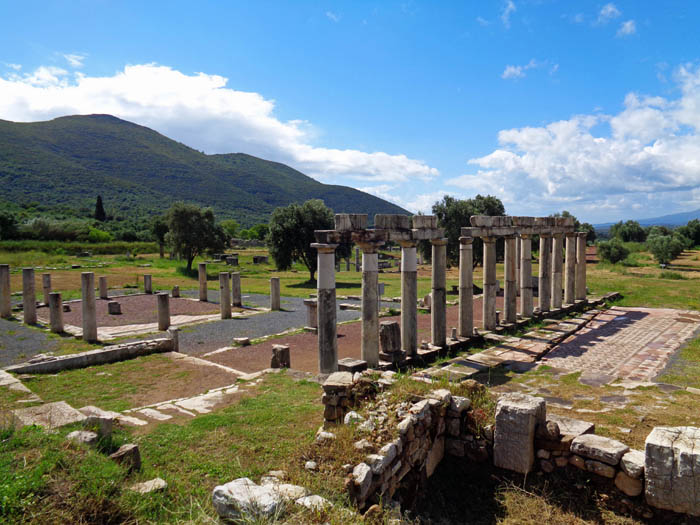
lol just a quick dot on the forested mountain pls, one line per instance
(68, 161)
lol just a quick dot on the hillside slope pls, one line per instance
(68, 161)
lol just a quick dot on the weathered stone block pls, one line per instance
(599, 448)
(437, 452)
(392, 222)
(84, 437)
(632, 464)
(516, 418)
(242, 498)
(672, 469)
(602, 469)
(280, 357)
(129, 456)
(390, 336)
(362, 476)
(425, 221)
(114, 308)
(571, 426)
(350, 221)
(49, 415)
(630, 486)
(337, 381)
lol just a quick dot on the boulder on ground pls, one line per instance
(242, 498)
(128, 456)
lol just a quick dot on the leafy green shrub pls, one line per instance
(96, 235)
(612, 251)
(672, 275)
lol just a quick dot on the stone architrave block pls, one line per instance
(599, 448)
(517, 415)
(392, 222)
(350, 221)
(672, 469)
(424, 222)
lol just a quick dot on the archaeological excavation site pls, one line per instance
(511, 383)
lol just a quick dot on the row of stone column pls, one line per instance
(550, 276)
(326, 309)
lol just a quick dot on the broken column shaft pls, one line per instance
(489, 297)
(466, 287)
(327, 330)
(545, 272)
(510, 295)
(438, 310)
(409, 298)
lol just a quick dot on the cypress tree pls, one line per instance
(100, 214)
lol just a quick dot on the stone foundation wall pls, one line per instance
(523, 440)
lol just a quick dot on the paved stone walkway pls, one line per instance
(627, 343)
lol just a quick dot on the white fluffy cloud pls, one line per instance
(200, 111)
(517, 71)
(607, 13)
(508, 9)
(601, 165)
(75, 59)
(627, 28)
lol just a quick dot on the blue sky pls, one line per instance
(593, 107)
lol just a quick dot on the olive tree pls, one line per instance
(193, 231)
(292, 233)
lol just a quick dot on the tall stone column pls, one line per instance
(466, 287)
(327, 330)
(5, 302)
(28, 296)
(55, 313)
(148, 283)
(104, 294)
(545, 272)
(525, 275)
(164, 311)
(409, 298)
(557, 264)
(370, 304)
(517, 263)
(236, 299)
(581, 266)
(225, 297)
(46, 285)
(489, 298)
(438, 309)
(357, 259)
(510, 294)
(570, 276)
(275, 293)
(88, 306)
(202, 268)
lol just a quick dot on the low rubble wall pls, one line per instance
(524, 439)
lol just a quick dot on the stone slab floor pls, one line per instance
(625, 343)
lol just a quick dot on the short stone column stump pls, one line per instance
(280, 357)
(114, 308)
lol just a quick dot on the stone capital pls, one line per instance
(370, 247)
(324, 248)
(489, 239)
(439, 242)
(581, 234)
(407, 244)
(465, 241)
(571, 234)
(546, 235)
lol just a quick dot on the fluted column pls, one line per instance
(489, 299)
(510, 297)
(409, 298)
(581, 266)
(570, 277)
(466, 287)
(557, 276)
(327, 329)
(525, 275)
(438, 312)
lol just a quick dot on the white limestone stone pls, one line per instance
(49, 415)
(152, 485)
(242, 498)
(632, 464)
(672, 469)
(83, 437)
(314, 502)
(517, 415)
(599, 448)
(362, 475)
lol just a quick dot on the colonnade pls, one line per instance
(407, 232)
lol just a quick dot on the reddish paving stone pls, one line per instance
(632, 343)
(303, 348)
(136, 309)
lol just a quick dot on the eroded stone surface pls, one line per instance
(570, 426)
(152, 485)
(83, 436)
(599, 448)
(242, 498)
(672, 469)
(516, 418)
(50, 415)
(632, 464)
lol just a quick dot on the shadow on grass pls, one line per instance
(311, 285)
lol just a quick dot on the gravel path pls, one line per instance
(19, 342)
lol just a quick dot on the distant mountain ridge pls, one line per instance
(674, 219)
(69, 160)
